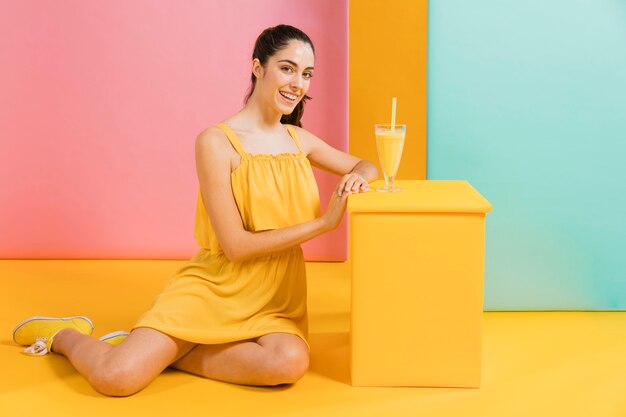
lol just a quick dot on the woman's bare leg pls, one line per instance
(124, 369)
(273, 359)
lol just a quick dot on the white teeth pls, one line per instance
(288, 96)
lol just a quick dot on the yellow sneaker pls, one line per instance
(37, 332)
(115, 338)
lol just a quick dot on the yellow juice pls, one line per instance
(389, 145)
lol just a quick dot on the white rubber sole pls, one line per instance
(113, 334)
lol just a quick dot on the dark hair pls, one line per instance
(270, 41)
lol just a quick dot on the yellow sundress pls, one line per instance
(213, 300)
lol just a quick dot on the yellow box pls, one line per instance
(417, 284)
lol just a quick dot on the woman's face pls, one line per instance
(287, 76)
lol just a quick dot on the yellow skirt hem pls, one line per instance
(208, 337)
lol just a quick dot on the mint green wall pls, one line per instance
(527, 101)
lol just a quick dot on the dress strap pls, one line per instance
(292, 132)
(234, 140)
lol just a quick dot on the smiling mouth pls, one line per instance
(289, 97)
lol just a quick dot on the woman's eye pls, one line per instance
(308, 74)
(287, 68)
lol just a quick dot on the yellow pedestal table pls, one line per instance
(417, 284)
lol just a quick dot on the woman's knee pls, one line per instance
(128, 368)
(116, 379)
(289, 364)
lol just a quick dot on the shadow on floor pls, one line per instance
(330, 355)
(66, 373)
(8, 342)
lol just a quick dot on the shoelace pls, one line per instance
(39, 348)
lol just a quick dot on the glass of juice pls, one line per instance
(389, 143)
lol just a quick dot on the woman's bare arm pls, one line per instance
(356, 172)
(213, 168)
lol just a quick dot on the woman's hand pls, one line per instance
(352, 182)
(336, 209)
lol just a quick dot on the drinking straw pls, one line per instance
(393, 114)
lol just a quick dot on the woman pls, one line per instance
(236, 312)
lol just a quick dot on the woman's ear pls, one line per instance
(257, 68)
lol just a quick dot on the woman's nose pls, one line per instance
(297, 81)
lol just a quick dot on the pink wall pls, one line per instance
(100, 105)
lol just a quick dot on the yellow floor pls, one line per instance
(534, 364)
